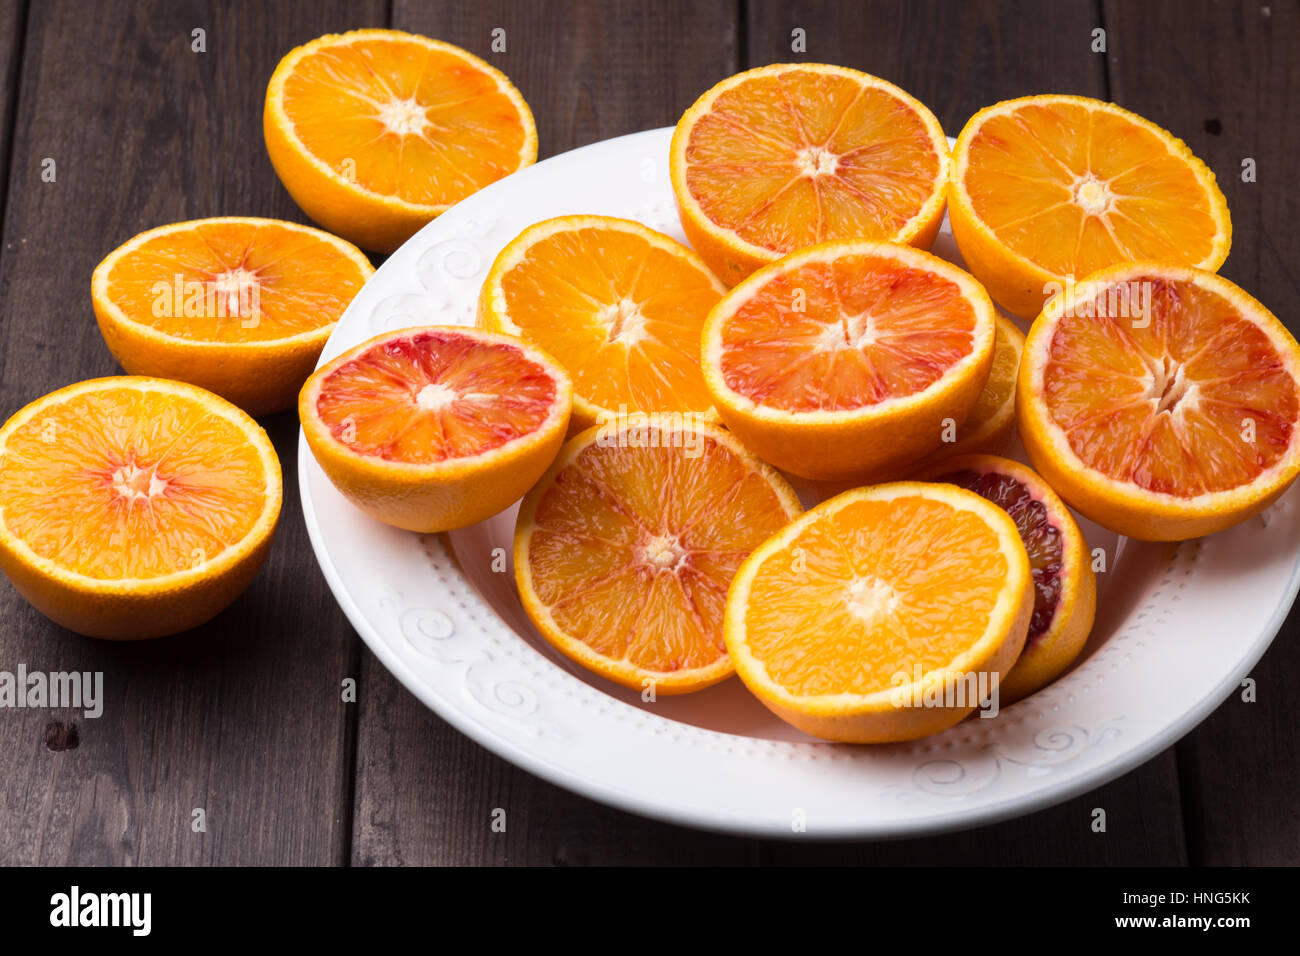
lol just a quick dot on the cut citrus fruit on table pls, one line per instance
(624, 551)
(1047, 189)
(790, 155)
(883, 614)
(376, 132)
(1065, 587)
(620, 305)
(239, 306)
(1161, 401)
(992, 422)
(435, 428)
(134, 507)
(849, 359)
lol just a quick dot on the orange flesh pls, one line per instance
(123, 483)
(870, 329)
(1167, 406)
(622, 316)
(403, 120)
(998, 389)
(883, 586)
(634, 548)
(234, 282)
(801, 157)
(433, 396)
(1074, 190)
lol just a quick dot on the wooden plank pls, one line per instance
(1224, 77)
(957, 58)
(241, 718)
(591, 70)
(954, 57)
(425, 793)
(12, 16)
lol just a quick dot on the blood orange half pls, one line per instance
(1065, 587)
(625, 550)
(790, 155)
(849, 359)
(435, 428)
(1161, 401)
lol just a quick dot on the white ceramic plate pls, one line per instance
(1177, 627)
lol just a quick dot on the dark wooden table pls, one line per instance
(243, 717)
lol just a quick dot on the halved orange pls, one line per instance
(625, 550)
(435, 428)
(992, 422)
(794, 154)
(376, 132)
(237, 305)
(1065, 587)
(849, 359)
(620, 305)
(1161, 401)
(134, 507)
(885, 613)
(1047, 189)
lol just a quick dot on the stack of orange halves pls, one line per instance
(645, 397)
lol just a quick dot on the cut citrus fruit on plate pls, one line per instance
(134, 507)
(886, 613)
(620, 305)
(992, 422)
(1161, 401)
(791, 155)
(1047, 189)
(850, 358)
(624, 551)
(239, 306)
(376, 132)
(1065, 587)
(434, 428)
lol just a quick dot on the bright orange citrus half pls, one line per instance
(376, 132)
(1161, 401)
(620, 305)
(886, 613)
(134, 507)
(992, 422)
(624, 551)
(849, 359)
(791, 155)
(1047, 189)
(239, 306)
(435, 428)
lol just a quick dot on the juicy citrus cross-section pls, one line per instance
(376, 132)
(790, 155)
(850, 358)
(1065, 586)
(624, 551)
(134, 507)
(239, 306)
(620, 305)
(1050, 188)
(1161, 401)
(840, 622)
(437, 427)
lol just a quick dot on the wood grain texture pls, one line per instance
(424, 793)
(590, 69)
(241, 717)
(12, 15)
(953, 57)
(1225, 78)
